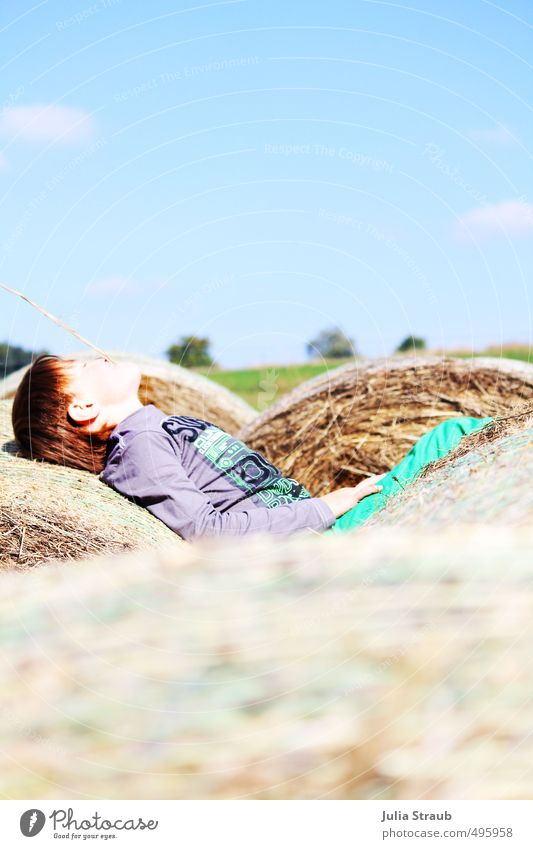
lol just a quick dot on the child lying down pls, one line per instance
(192, 475)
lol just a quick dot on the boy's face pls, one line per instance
(101, 381)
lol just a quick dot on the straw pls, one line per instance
(361, 419)
(392, 664)
(57, 321)
(51, 511)
(485, 480)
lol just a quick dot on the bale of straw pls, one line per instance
(389, 664)
(486, 478)
(363, 417)
(173, 389)
(50, 512)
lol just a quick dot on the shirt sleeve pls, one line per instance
(150, 473)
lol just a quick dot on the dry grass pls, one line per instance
(53, 318)
(509, 425)
(389, 664)
(363, 418)
(50, 511)
(485, 479)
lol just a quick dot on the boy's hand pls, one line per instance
(343, 499)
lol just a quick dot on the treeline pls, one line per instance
(13, 357)
(193, 351)
(331, 343)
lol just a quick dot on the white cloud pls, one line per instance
(508, 218)
(113, 285)
(42, 122)
(495, 135)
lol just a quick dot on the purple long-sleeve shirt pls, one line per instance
(200, 481)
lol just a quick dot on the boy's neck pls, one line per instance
(122, 411)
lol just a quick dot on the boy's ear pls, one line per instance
(83, 412)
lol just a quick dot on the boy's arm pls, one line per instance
(151, 474)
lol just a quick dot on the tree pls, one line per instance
(331, 344)
(12, 358)
(191, 351)
(411, 343)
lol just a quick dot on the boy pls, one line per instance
(191, 474)
(195, 477)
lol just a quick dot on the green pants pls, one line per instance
(431, 446)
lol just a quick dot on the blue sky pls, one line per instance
(257, 171)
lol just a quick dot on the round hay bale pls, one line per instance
(171, 388)
(486, 479)
(49, 511)
(390, 664)
(362, 418)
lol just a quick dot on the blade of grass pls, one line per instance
(57, 321)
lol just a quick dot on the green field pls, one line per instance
(261, 386)
(514, 352)
(264, 385)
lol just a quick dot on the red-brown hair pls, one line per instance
(42, 426)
